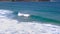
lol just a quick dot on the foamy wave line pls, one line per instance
(4, 13)
(25, 15)
(9, 26)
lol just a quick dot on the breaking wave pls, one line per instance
(12, 26)
(30, 17)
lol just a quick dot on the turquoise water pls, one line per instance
(41, 15)
(40, 11)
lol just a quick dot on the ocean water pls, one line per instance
(29, 17)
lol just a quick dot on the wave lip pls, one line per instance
(25, 15)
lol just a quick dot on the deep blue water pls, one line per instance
(39, 11)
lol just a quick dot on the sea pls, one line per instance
(29, 17)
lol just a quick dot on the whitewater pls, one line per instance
(12, 26)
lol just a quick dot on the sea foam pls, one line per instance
(25, 15)
(11, 26)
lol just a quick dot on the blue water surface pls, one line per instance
(40, 11)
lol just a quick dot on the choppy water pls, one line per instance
(44, 18)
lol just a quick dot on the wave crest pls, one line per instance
(25, 15)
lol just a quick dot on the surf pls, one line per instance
(9, 26)
(21, 14)
(13, 26)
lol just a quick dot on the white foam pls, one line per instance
(11, 26)
(25, 15)
(8, 26)
(4, 13)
